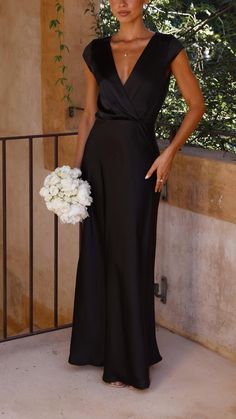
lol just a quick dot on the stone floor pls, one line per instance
(37, 382)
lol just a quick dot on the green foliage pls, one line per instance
(207, 30)
(55, 24)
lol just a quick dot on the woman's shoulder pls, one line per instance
(168, 37)
(93, 50)
(171, 44)
(97, 41)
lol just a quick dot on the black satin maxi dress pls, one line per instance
(114, 318)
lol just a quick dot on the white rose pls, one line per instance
(83, 196)
(56, 203)
(67, 199)
(44, 192)
(69, 186)
(47, 181)
(53, 190)
(51, 179)
(48, 198)
(75, 173)
(76, 214)
(64, 172)
(66, 185)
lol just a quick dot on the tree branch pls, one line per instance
(211, 17)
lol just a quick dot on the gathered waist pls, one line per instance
(149, 125)
(146, 127)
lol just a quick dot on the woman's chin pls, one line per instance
(128, 18)
(123, 17)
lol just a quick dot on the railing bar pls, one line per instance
(4, 240)
(25, 137)
(55, 244)
(36, 332)
(31, 250)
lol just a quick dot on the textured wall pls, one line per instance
(197, 252)
(20, 69)
(53, 108)
(78, 32)
(205, 184)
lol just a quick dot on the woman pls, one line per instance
(127, 77)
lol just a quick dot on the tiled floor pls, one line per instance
(37, 382)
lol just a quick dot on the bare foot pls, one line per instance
(117, 384)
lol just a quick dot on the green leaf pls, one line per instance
(59, 32)
(61, 80)
(63, 68)
(53, 23)
(69, 88)
(58, 58)
(59, 7)
(63, 46)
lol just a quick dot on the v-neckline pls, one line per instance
(136, 63)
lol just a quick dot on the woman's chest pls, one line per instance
(149, 69)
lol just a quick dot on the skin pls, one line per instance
(133, 37)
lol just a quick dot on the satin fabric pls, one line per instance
(114, 317)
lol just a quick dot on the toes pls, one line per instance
(117, 384)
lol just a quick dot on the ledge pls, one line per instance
(203, 181)
(196, 151)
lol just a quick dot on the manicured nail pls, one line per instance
(146, 176)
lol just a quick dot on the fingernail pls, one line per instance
(146, 176)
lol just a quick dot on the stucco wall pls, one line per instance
(78, 32)
(196, 250)
(20, 72)
(197, 255)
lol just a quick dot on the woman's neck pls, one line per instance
(132, 30)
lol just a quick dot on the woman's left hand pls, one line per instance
(162, 165)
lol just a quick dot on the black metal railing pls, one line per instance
(56, 326)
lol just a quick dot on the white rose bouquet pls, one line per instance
(66, 194)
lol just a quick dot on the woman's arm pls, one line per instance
(88, 116)
(191, 92)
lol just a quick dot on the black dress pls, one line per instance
(114, 317)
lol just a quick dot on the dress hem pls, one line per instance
(109, 380)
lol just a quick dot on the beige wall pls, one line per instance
(196, 250)
(205, 187)
(20, 75)
(29, 100)
(78, 32)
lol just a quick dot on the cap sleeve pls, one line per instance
(87, 55)
(175, 46)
